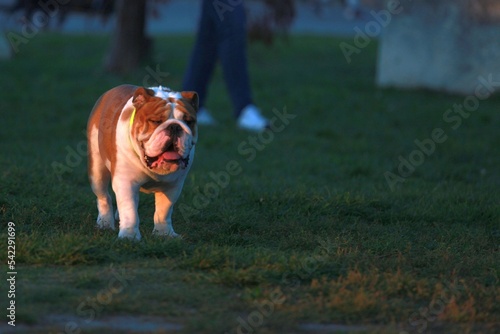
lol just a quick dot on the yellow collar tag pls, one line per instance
(132, 119)
(130, 132)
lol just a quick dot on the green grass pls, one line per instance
(308, 231)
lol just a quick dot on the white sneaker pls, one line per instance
(203, 117)
(251, 119)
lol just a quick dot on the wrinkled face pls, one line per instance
(165, 131)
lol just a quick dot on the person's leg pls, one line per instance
(204, 55)
(232, 52)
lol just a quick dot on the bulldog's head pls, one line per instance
(164, 130)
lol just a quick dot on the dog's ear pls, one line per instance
(193, 99)
(141, 96)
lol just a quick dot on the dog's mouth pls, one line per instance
(169, 156)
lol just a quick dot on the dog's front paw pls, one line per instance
(164, 231)
(106, 222)
(129, 233)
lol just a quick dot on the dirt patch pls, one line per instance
(333, 328)
(71, 324)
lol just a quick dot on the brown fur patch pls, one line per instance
(105, 116)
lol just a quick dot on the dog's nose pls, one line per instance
(174, 129)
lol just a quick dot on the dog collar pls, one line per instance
(132, 119)
(131, 122)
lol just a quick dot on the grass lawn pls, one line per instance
(349, 214)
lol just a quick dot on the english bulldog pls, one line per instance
(140, 139)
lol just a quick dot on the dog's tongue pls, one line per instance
(170, 156)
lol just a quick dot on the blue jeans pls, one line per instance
(221, 36)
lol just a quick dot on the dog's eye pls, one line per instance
(190, 121)
(156, 121)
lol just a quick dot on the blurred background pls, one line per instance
(379, 192)
(441, 45)
(174, 16)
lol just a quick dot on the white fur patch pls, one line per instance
(178, 114)
(165, 92)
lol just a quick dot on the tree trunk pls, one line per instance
(129, 44)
